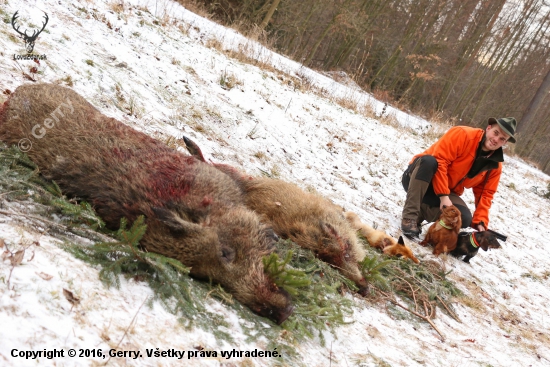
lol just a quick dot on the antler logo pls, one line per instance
(29, 40)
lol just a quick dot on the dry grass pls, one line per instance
(472, 302)
(242, 54)
(349, 102)
(173, 142)
(68, 81)
(275, 171)
(262, 157)
(228, 80)
(117, 6)
(197, 126)
(214, 43)
(367, 110)
(389, 119)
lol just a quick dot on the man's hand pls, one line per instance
(445, 201)
(481, 228)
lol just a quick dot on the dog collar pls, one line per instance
(473, 240)
(442, 223)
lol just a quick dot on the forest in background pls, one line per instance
(463, 61)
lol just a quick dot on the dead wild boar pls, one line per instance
(311, 221)
(194, 213)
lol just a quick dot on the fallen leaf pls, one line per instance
(71, 297)
(17, 258)
(44, 276)
(470, 340)
(2, 243)
(28, 77)
(104, 336)
(36, 243)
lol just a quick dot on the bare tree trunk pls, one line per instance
(529, 125)
(269, 14)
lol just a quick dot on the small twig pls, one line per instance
(128, 328)
(413, 293)
(425, 318)
(9, 277)
(453, 315)
(426, 309)
(288, 105)
(330, 355)
(12, 262)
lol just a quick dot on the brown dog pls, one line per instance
(381, 240)
(469, 243)
(443, 234)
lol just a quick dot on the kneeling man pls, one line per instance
(465, 157)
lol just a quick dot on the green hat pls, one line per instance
(507, 124)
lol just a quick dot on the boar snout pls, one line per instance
(194, 212)
(278, 315)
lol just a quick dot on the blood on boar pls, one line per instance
(194, 213)
(310, 220)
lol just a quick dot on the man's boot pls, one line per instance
(416, 181)
(410, 227)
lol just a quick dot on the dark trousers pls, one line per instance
(422, 203)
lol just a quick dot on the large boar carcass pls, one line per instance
(308, 219)
(194, 213)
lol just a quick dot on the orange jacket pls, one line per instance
(455, 153)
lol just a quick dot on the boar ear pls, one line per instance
(227, 254)
(400, 241)
(270, 233)
(329, 229)
(174, 222)
(193, 148)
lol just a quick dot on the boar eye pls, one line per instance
(399, 255)
(272, 235)
(228, 255)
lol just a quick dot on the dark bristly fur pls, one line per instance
(194, 213)
(485, 240)
(309, 220)
(442, 238)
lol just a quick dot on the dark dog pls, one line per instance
(469, 243)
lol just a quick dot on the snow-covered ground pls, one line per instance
(158, 70)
